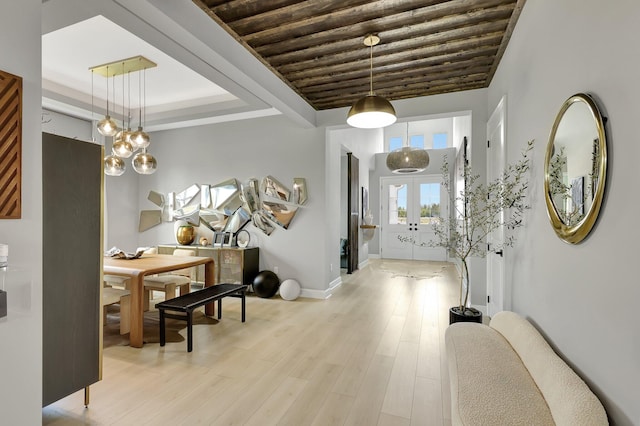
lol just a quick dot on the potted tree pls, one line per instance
(480, 209)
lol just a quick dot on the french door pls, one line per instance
(410, 205)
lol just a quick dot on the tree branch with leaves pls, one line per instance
(479, 210)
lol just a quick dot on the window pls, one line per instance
(439, 140)
(429, 203)
(417, 141)
(398, 204)
(395, 143)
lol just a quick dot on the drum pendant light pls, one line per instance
(407, 159)
(371, 111)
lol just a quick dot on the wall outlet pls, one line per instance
(331, 267)
(275, 270)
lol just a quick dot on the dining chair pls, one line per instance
(111, 296)
(168, 283)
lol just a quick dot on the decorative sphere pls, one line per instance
(266, 284)
(289, 289)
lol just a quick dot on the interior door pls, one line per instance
(495, 168)
(353, 170)
(409, 207)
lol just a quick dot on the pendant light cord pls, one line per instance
(371, 70)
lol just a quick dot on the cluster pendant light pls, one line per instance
(126, 142)
(407, 159)
(371, 111)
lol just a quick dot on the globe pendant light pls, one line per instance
(107, 126)
(140, 139)
(113, 165)
(371, 111)
(407, 159)
(121, 146)
(144, 163)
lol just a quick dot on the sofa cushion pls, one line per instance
(569, 398)
(489, 383)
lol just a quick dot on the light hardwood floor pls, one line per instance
(372, 354)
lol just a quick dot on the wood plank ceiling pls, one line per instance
(427, 47)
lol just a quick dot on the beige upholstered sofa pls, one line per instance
(507, 374)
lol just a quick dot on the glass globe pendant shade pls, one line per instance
(144, 163)
(113, 165)
(407, 160)
(140, 139)
(107, 126)
(371, 112)
(121, 146)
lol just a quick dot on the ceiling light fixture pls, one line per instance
(125, 142)
(371, 111)
(107, 126)
(408, 159)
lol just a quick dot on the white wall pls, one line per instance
(21, 331)
(581, 297)
(249, 149)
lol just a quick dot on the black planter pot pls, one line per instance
(465, 315)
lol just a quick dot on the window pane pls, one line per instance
(429, 203)
(397, 204)
(417, 141)
(395, 143)
(439, 140)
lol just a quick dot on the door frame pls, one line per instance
(353, 220)
(415, 230)
(498, 294)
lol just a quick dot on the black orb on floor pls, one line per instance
(266, 284)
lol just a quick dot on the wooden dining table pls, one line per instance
(149, 264)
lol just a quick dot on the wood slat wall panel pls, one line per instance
(10, 146)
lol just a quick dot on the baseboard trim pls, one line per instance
(322, 294)
(362, 264)
(374, 256)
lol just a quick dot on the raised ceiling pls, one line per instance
(427, 47)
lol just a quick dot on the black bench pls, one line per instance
(189, 302)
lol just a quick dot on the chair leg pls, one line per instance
(145, 299)
(185, 289)
(125, 314)
(169, 291)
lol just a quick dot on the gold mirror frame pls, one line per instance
(575, 233)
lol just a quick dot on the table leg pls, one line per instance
(209, 280)
(137, 313)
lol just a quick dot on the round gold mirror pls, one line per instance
(575, 168)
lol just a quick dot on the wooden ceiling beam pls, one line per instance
(235, 10)
(391, 88)
(369, 13)
(421, 21)
(487, 52)
(426, 91)
(297, 14)
(318, 68)
(406, 44)
(296, 52)
(452, 69)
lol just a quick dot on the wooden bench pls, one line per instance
(189, 302)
